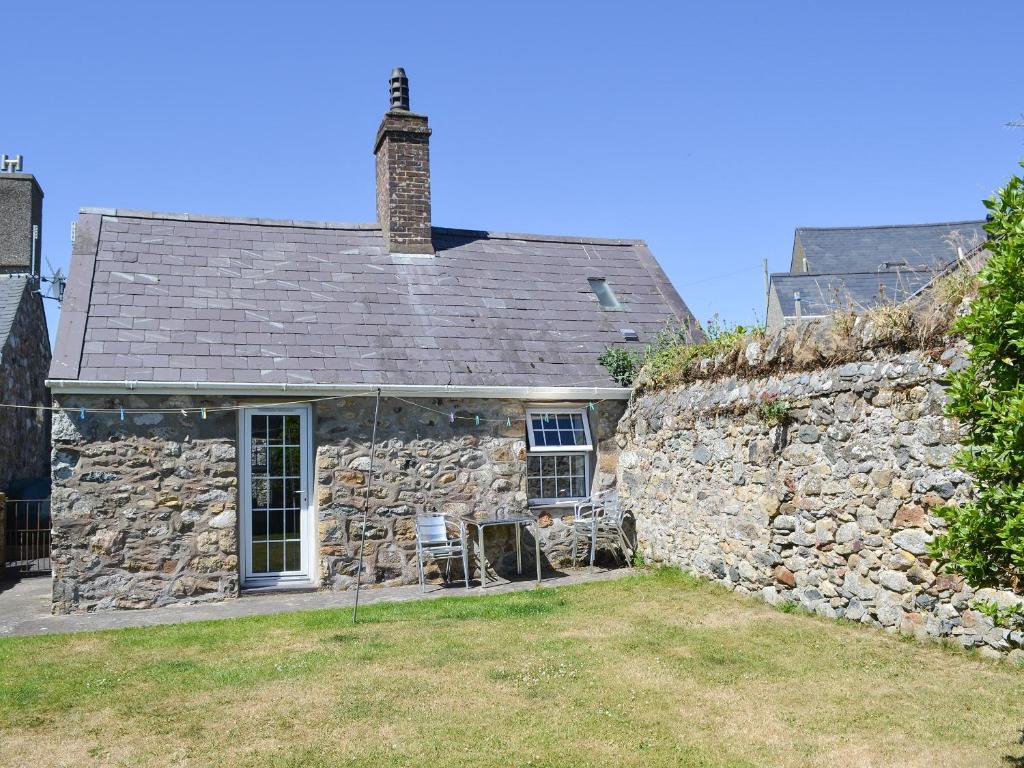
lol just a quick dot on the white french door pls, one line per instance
(277, 525)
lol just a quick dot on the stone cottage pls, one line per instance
(217, 378)
(24, 340)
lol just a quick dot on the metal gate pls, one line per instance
(27, 548)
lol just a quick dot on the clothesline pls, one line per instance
(204, 411)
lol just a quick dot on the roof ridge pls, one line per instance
(581, 239)
(130, 213)
(869, 272)
(891, 226)
(207, 218)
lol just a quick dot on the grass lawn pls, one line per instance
(651, 670)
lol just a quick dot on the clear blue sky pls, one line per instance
(711, 130)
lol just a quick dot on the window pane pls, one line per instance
(259, 524)
(258, 459)
(259, 428)
(275, 556)
(277, 462)
(291, 524)
(275, 520)
(547, 488)
(293, 461)
(533, 489)
(275, 429)
(292, 497)
(276, 494)
(260, 493)
(259, 557)
(292, 556)
(578, 487)
(291, 430)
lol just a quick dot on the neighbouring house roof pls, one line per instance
(831, 250)
(857, 268)
(185, 298)
(12, 288)
(824, 294)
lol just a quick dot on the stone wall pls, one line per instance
(24, 360)
(425, 463)
(3, 536)
(145, 510)
(832, 509)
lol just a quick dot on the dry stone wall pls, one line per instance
(832, 509)
(146, 510)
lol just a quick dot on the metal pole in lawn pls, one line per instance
(366, 507)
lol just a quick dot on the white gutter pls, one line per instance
(72, 386)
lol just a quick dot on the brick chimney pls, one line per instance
(21, 219)
(402, 150)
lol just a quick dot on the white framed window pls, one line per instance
(556, 430)
(558, 463)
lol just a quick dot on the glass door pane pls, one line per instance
(276, 484)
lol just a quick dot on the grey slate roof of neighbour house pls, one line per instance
(178, 297)
(824, 294)
(12, 288)
(831, 250)
(856, 268)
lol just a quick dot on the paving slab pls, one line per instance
(25, 605)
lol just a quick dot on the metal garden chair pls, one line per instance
(599, 513)
(435, 542)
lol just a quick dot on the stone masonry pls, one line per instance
(424, 463)
(831, 509)
(145, 510)
(24, 360)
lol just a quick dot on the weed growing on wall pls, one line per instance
(673, 350)
(985, 537)
(771, 410)
(622, 363)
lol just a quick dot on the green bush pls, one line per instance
(984, 541)
(622, 363)
(673, 350)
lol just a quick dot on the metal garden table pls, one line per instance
(519, 521)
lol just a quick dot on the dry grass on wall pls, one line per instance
(850, 334)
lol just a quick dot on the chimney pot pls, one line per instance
(402, 150)
(399, 87)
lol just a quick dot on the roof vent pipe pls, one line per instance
(399, 85)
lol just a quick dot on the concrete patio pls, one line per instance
(25, 604)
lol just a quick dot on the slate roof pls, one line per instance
(12, 288)
(858, 268)
(831, 250)
(179, 297)
(824, 294)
